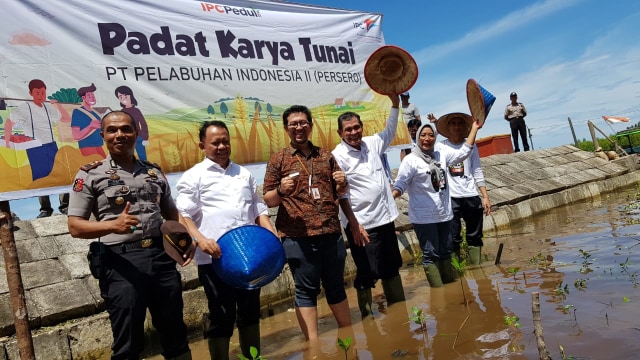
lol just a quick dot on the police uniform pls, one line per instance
(136, 272)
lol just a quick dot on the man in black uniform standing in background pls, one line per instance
(129, 199)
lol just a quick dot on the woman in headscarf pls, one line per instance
(422, 175)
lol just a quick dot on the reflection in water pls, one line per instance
(591, 313)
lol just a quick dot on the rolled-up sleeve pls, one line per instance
(188, 199)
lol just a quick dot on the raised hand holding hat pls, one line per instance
(390, 70)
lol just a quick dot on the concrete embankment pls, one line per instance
(67, 315)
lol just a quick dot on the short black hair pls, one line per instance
(414, 122)
(115, 113)
(296, 109)
(205, 125)
(346, 117)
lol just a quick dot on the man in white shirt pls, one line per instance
(373, 243)
(409, 110)
(214, 197)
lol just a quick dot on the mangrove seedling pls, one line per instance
(254, 355)
(460, 266)
(586, 257)
(513, 271)
(566, 308)
(512, 320)
(632, 275)
(562, 290)
(419, 317)
(344, 345)
(564, 356)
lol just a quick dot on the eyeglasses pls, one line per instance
(302, 124)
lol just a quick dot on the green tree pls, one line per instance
(211, 110)
(258, 107)
(223, 109)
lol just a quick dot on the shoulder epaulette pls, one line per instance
(91, 165)
(149, 163)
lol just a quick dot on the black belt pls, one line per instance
(148, 243)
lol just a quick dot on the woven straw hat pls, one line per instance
(443, 123)
(480, 101)
(390, 70)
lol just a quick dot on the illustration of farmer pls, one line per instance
(85, 124)
(37, 120)
(129, 105)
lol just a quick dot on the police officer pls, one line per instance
(129, 199)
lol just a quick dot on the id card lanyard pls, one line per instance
(314, 193)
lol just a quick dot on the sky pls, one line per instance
(577, 59)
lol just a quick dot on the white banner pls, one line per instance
(172, 65)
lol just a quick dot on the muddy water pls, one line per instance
(583, 260)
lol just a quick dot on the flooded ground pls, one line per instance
(582, 259)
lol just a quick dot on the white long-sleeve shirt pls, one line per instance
(426, 205)
(465, 175)
(369, 190)
(218, 200)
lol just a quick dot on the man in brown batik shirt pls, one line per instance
(305, 182)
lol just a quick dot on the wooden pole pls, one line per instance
(499, 255)
(575, 140)
(14, 281)
(615, 143)
(537, 326)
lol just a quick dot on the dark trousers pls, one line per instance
(435, 241)
(518, 127)
(316, 260)
(45, 203)
(471, 211)
(133, 281)
(379, 259)
(228, 306)
(41, 160)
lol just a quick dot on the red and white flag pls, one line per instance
(615, 119)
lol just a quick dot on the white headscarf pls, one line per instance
(438, 175)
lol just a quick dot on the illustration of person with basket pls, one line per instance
(37, 119)
(85, 124)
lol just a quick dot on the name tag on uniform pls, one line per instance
(315, 193)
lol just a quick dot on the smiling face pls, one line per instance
(125, 100)
(217, 145)
(458, 129)
(351, 132)
(89, 98)
(119, 133)
(426, 138)
(298, 128)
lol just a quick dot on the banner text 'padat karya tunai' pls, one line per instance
(172, 66)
